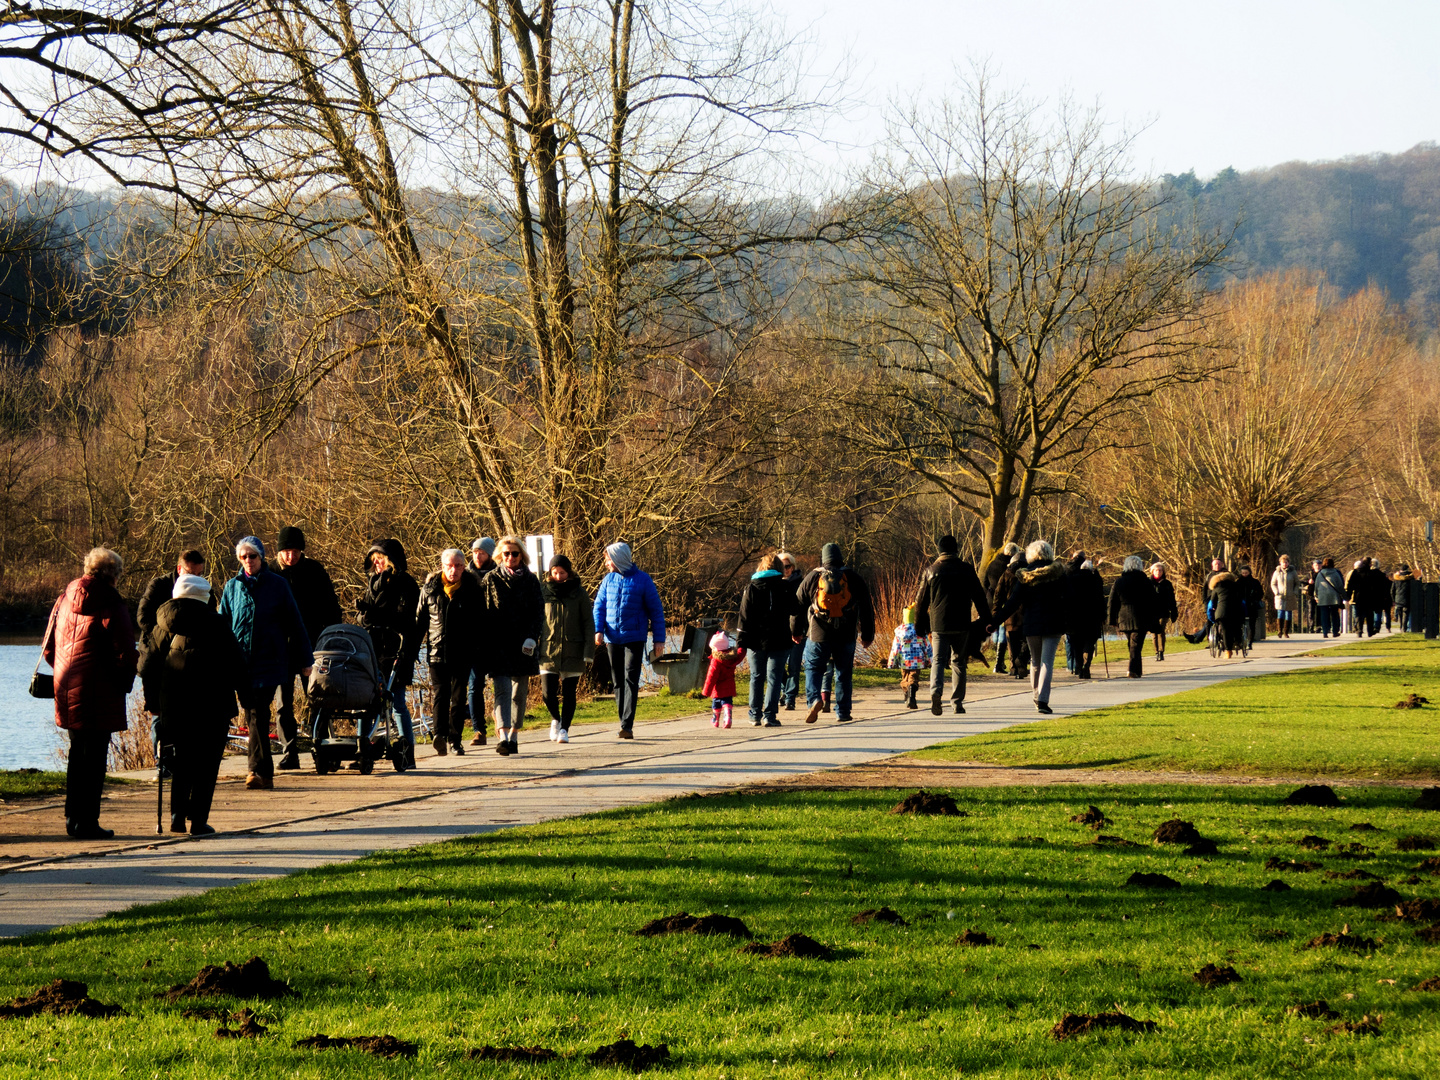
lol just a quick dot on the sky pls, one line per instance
(1214, 84)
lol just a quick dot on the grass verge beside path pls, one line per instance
(30, 784)
(524, 938)
(1339, 722)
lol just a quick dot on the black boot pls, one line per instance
(911, 702)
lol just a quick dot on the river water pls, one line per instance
(29, 738)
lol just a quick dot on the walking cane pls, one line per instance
(1104, 652)
(159, 787)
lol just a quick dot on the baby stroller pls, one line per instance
(345, 693)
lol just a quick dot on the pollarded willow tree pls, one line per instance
(1270, 442)
(1015, 293)
(544, 209)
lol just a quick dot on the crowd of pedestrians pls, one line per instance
(205, 660)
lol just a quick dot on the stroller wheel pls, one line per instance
(321, 765)
(398, 760)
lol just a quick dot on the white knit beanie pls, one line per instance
(191, 587)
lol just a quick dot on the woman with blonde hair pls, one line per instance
(514, 624)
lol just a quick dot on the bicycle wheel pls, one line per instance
(1245, 639)
(1213, 638)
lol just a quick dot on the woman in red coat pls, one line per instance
(91, 645)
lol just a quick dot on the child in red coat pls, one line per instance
(725, 657)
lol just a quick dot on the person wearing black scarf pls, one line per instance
(567, 643)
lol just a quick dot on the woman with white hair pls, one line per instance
(1042, 589)
(90, 644)
(1132, 609)
(271, 634)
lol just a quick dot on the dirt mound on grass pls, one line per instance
(386, 1046)
(1412, 701)
(1342, 940)
(1093, 816)
(510, 1053)
(1415, 843)
(806, 948)
(1352, 875)
(1152, 881)
(626, 1055)
(922, 802)
(1370, 896)
(63, 997)
(1352, 851)
(1314, 1010)
(975, 938)
(1107, 840)
(1430, 865)
(884, 914)
(1314, 843)
(1312, 795)
(1275, 886)
(1072, 1024)
(1428, 984)
(248, 980)
(1364, 826)
(1296, 866)
(1429, 934)
(684, 923)
(1429, 799)
(1366, 1025)
(1210, 975)
(1176, 831)
(1427, 910)
(248, 1027)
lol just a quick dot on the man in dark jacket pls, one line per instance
(949, 591)
(1086, 621)
(451, 616)
(1132, 609)
(766, 608)
(482, 562)
(314, 594)
(193, 666)
(833, 603)
(994, 571)
(266, 624)
(1400, 596)
(192, 562)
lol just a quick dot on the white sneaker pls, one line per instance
(554, 730)
(564, 736)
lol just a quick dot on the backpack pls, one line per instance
(832, 596)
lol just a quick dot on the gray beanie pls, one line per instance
(619, 553)
(484, 544)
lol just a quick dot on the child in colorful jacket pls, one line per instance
(725, 657)
(910, 653)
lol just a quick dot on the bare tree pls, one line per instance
(1017, 293)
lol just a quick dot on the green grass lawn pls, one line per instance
(30, 784)
(1337, 721)
(525, 938)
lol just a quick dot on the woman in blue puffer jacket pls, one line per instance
(627, 606)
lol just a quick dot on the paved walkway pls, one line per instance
(309, 820)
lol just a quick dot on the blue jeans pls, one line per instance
(402, 717)
(794, 664)
(1329, 619)
(476, 701)
(819, 655)
(767, 681)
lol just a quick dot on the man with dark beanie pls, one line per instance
(949, 589)
(314, 594)
(833, 602)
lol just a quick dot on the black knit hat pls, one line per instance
(291, 537)
(949, 545)
(561, 560)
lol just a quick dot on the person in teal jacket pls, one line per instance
(267, 625)
(627, 607)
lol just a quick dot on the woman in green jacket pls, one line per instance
(567, 643)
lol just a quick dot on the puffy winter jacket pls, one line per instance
(949, 590)
(1224, 589)
(266, 624)
(454, 625)
(514, 614)
(314, 594)
(91, 645)
(1400, 588)
(766, 608)
(1086, 602)
(627, 606)
(720, 678)
(859, 613)
(1132, 603)
(567, 639)
(387, 610)
(1042, 588)
(192, 666)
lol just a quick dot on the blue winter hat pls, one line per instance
(251, 542)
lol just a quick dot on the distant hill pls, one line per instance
(1360, 220)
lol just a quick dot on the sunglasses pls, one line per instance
(512, 554)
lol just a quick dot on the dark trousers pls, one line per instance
(1136, 640)
(948, 649)
(449, 684)
(1229, 635)
(85, 775)
(794, 665)
(194, 768)
(286, 719)
(256, 710)
(1329, 619)
(626, 657)
(559, 691)
(1019, 651)
(476, 701)
(1402, 617)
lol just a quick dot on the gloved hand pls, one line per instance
(528, 648)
